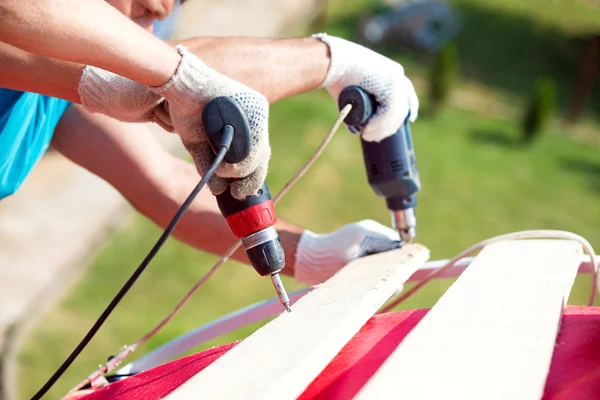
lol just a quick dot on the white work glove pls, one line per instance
(103, 92)
(192, 86)
(352, 64)
(318, 257)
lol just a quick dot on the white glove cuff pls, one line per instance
(191, 76)
(336, 68)
(102, 91)
(312, 259)
(92, 88)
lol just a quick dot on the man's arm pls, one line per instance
(155, 182)
(87, 32)
(277, 68)
(28, 72)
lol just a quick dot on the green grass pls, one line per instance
(477, 182)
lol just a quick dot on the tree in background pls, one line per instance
(578, 19)
(541, 107)
(443, 74)
(588, 69)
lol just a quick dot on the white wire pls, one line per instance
(114, 362)
(533, 234)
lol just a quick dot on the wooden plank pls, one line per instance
(282, 358)
(492, 334)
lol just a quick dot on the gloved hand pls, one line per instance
(103, 92)
(192, 86)
(318, 257)
(352, 64)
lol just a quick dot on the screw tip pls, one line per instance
(287, 307)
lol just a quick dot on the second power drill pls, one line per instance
(390, 164)
(253, 218)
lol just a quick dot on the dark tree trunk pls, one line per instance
(588, 67)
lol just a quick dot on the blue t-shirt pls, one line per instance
(27, 123)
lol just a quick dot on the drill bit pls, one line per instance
(283, 297)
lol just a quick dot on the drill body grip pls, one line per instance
(391, 163)
(250, 215)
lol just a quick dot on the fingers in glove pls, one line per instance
(377, 238)
(218, 185)
(375, 228)
(376, 245)
(249, 185)
(160, 116)
(167, 127)
(413, 99)
(203, 156)
(386, 122)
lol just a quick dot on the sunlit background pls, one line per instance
(507, 139)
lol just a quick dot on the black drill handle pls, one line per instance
(391, 163)
(221, 112)
(363, 104)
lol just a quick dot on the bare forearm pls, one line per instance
(28, 72)
(87, 32)
(277, 68)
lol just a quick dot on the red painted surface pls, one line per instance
(574, 374)
(252, 219)
(160, 381)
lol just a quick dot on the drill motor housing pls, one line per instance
(390, 164)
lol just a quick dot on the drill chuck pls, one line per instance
(405, 222)
(390, 164)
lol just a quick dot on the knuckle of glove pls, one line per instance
(217, 184)
(354, 233)
(394, 103)
(413, 99)
(258, 158)
(250, 184)
(370, 227)
(201, 154)
(161, 116)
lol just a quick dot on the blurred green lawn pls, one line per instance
(477, 182)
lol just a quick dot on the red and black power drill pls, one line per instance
(253, 218)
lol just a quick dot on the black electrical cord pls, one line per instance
(226, 141)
